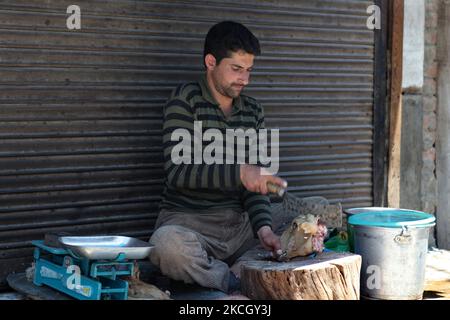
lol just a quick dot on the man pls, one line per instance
(211, 212)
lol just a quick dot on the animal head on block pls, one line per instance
(304, 236)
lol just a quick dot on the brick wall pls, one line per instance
(428, 174)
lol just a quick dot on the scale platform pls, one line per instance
(88, 268)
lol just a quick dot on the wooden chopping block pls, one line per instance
(328, 276)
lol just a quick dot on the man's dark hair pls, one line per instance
(229, 36)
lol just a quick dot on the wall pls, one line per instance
(428, 172)
(417, 179)
(413, 53)
(443, 127)
(412, 105)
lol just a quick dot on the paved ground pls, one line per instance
(437, 275)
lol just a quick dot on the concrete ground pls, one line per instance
(437, 275)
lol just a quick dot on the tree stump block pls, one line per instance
(327, 276)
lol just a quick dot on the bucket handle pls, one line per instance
(404, 237)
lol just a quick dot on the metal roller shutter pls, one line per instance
(80, 115)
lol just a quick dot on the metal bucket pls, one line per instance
(393, 259)
(349, 213)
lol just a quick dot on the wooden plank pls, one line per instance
(395, 113)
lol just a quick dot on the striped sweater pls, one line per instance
(198, 186)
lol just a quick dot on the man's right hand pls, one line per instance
(255, 178)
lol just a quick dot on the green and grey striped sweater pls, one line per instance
(196, 187)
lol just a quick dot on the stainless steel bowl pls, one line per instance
(107, 247)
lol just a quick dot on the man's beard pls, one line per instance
(229, 91)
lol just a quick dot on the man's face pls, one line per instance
(232, 74)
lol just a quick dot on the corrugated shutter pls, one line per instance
(80, 115)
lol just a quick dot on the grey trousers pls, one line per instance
(200, 247)
(195, 247)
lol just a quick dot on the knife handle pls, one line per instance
(276, 189)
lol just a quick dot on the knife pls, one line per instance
(276, 189)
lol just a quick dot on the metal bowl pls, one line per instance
(107, 247)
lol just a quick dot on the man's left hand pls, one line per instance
(269, 240)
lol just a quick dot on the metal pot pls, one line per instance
(393, 261)
(352, 211)
(393, 255)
